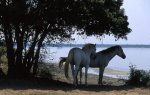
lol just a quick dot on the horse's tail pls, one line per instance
(65, 61)
(66, 68)
(69, 59)
(62, 60)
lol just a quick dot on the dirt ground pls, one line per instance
(53, 87)
(59, 85)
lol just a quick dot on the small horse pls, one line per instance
(78, 57)
(103, 58)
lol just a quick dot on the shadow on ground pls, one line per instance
(47, 84)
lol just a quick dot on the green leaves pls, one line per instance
(57, 17)
(138, 77)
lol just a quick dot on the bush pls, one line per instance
(44, 71)
(3, 61)
(138, 77)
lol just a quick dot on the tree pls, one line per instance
(28, 24)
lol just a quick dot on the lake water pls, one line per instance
(135, 56)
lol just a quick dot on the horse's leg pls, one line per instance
(101, 71)
(86, 70)
(75, 75)
(72, 68)
(80, 75)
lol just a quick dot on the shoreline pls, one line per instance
(58, 74)
(110, 72)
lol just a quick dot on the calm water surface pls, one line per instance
(135, 56)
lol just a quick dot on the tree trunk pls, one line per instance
(16, 68)
(36, 58)
(19, 35)
(19, 66)
(10, 51)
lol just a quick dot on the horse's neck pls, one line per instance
(111, 55)
(87, 52)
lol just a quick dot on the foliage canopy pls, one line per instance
(31, 22)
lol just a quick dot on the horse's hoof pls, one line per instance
(86, 85)
(75, 85)
(100, 84)
(80, 83)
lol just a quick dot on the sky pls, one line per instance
(139, 21)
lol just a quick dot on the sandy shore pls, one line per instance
(59, 85)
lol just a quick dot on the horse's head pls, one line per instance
(91, 48)
(120, 52)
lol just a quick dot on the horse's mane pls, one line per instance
(86, 45)
(110, 49)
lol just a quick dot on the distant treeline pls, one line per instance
(101, 45)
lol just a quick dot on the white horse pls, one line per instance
(78, 57)
(103, 58)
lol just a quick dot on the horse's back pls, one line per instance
(74, 52)
(76, 55)
(99, 61)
